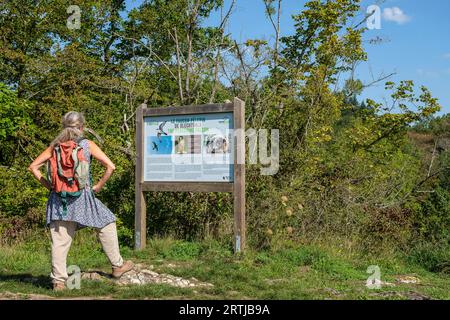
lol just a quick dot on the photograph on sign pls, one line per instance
(191, 148)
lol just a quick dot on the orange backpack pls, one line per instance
(68, 170)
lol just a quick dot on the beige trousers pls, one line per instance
(62, 233)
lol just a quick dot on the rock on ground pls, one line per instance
(141, 275)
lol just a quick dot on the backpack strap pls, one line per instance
(63, 195)
(58, 161)
(76, 161)
(91, 180)
(79, 139)
(49, 172)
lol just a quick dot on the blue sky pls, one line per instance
(415, 33)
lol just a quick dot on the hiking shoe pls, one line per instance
(117, 272)
(59, 286)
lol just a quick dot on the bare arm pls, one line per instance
(98, 154)
(38, 163)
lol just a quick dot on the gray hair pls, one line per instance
(73, 123)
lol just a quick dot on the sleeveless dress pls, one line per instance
(86, 210)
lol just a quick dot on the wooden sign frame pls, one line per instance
(237, 187)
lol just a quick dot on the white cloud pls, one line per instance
(395, 14)
(433, 74)
(428, 73)
(446, 56)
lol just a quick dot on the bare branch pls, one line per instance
(216, 62)
(180, 86)
(95, 134)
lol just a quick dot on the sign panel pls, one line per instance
(189, 148)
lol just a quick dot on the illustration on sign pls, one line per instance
(189, 148)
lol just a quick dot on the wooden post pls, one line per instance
(239, 176)
(140, 232)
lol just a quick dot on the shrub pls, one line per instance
(434, 257)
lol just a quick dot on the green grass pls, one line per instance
(293, 272)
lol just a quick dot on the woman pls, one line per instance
(83, 211)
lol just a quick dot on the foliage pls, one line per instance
(16, 124)
(320, 271)
(348, 169)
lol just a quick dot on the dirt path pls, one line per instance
(31, 296)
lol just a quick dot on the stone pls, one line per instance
(407, 279)
(91, 276)
(142, 275)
